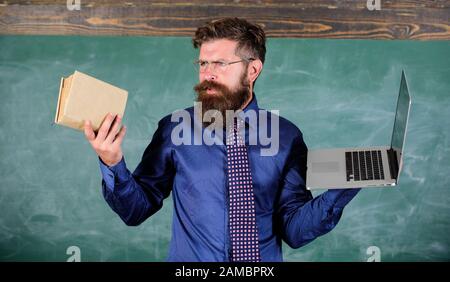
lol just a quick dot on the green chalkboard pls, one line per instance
(338, 92)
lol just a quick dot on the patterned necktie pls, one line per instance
(242, 217)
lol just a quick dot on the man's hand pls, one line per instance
(108, 140)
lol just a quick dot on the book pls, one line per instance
(83, 97)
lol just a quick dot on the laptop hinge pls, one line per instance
(393, 163)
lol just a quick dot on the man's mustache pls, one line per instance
(208, 84)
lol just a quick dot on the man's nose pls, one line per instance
(210, 76)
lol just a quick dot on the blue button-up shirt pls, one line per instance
(196, 175)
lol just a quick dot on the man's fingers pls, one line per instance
(119, 137)
(114, 130)
(88, 132)
(104, 128)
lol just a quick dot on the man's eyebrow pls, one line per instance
(215, 60)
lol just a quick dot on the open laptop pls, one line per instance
(366, 166)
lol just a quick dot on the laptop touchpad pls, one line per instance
(323, 167)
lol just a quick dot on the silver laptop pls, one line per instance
(378, 166)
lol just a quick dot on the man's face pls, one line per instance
(222, 88)
(221, 50)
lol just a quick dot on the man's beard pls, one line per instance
(223, 99)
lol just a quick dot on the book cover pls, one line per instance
(83, 97)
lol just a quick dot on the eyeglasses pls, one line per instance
(217, 65)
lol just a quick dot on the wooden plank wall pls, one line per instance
(403, 19)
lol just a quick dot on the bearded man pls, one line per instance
(231, 203)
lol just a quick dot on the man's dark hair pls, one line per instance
(250, 37)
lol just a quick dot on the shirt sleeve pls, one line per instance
(304, 218)
(110, 172)
(138, 195)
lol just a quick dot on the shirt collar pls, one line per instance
(253, 105)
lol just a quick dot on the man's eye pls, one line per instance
(202, 63)
(219, 64)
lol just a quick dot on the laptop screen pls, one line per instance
(401, 119)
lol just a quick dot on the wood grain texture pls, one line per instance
(404, 19)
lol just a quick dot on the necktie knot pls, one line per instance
(235, 134)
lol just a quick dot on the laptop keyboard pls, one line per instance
(364, 165)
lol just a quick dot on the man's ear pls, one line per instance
(254, 69)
